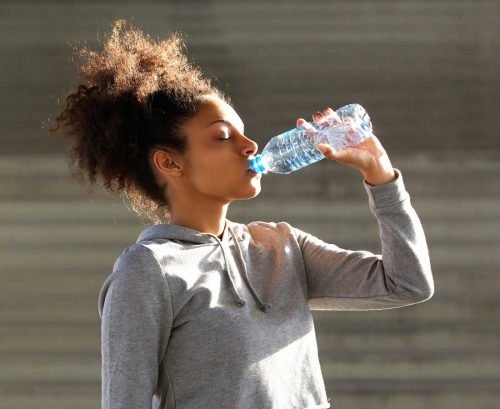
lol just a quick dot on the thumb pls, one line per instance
(329, 152)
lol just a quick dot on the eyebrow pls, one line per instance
(224, 122)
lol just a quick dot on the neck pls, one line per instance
(205, 216)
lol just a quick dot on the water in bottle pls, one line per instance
(296, 148)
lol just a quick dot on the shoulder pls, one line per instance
(136, 275)
(261, 231)
(137, 261)
(259, 226)
(270, 227)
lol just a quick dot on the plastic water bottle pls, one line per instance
(296, 148)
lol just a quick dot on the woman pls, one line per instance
(202, 312)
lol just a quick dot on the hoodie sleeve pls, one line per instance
(136, 318)
(339, 279)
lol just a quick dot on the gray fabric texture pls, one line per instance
(189, 320)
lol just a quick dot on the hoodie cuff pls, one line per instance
(388, 194)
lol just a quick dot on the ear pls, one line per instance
(168, 163)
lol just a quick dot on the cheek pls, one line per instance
(207, 176)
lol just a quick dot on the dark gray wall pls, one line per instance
(426, 71)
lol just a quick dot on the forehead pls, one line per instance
(214, 109)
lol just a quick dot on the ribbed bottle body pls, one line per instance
(296, 148)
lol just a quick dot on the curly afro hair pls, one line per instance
(137, 95)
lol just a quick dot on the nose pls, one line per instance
(250, 147)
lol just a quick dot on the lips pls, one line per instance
(253, 174)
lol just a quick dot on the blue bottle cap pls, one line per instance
(256, 165)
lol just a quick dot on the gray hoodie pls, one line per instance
(193, 321)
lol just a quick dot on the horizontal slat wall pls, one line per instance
(426, 72)
(440, 354)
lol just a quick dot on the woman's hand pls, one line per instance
(369, 157)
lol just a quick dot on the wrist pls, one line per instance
(379, 171)
(380, 178)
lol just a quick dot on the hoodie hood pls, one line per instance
(185, 235)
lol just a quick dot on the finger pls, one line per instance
(304, 125)
(300, 122)
(320, 119)
(332, 116)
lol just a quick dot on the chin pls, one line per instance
(249, 194)
(256, 188)
(255, 194)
